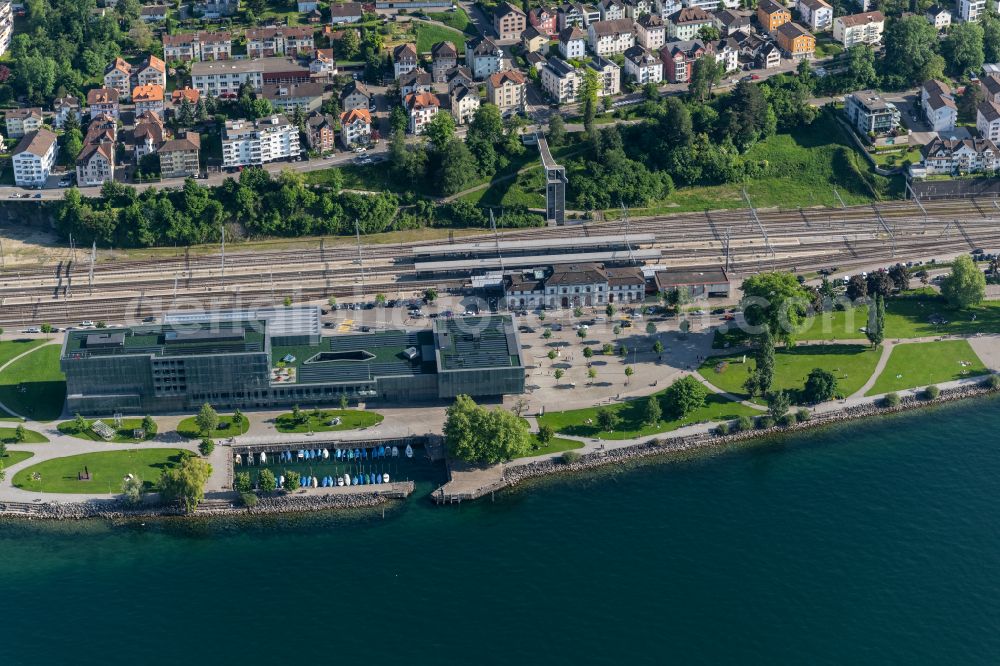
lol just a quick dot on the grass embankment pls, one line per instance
(226, 428)
(852, 365)
(350, 419)
(9, 436)
(429, 34)
(457, 19)
(583, 422)
(801, 169)
(925, 363)
(107, 469)
(34, 386)
(123, 434)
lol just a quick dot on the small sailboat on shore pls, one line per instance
(409, 451)
(395, 452)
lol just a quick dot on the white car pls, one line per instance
(33, 329)
(86, 323)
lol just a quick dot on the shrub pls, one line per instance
(267, 481)
(932, 392)
(570, 457)
(242, 482)
(744, 424)
(765, 422)
(892, 400)
(788, 420)
(722, 429)
(206, 447)
(993, 382)
(292, 480)
(248, 499)
(803, 415)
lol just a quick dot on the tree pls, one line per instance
(748, 117)
(910, 51)
(857, 287)
(587, 352)
(628, 373)
(651, 412)
(430, 295)
(591, 374)
(547, 334)
(557, 130)
(963, 48)
(968, 102)
(821, 385)
(558, 374)
(991, 37)
(966, 285)
(344, 402)
(607, 419)
(207, 419)
(709, 33)
(588, 99)
(80, 424)
(860, 67)
(185, 483)
(577, 311)
(607, 349)
(545, 434)
(610, 310)
(762, 376)
(879, 283)
(581, 333)
(266, 481)
(900, 276)
(553, 354)
(650, 328)
(657, 347)
(457, 165)
(778, 404)
(349, 45)
(293, 480)
(206, 446)
(20, 434)
(704, 75)
(72, 144)
(132, 490)
(875, 330)
(238, 420)
(440, 130)
(684, 396)
(776, 302)
(149, 426)
(478, 435)
(242, 482)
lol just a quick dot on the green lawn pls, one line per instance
(827, 47)
(123, 435)
(925, 363)
(12, 348)
(31, 437)
(429, 34)
(853, 365)
(911, 315)
(555, 445)
(14, 457)
(226, 427)
(575, 421)
(107, 469)
(351, 419)
(458, 20)
(34, 386)
(527, 190)
(800, 169)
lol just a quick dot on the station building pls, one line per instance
(571, 285)
(278, 357)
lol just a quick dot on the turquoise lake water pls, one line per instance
(872, 543)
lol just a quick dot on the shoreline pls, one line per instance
(302, 502)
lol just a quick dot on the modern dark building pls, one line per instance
(270, 358)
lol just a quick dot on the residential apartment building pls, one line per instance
(63, 108)
(286, 97)
(355, 95)
(988, 120)
(958, 156)
(6, 26)
(103, 101)
(152, 72)
(664, 8)
(147, 135)
(816, 14)
(971, 10)
(22, 121)
(545, 20)
(279, 40)
(609, 76)
(795, 41)
(415, 81)
(678, 59)
(642, 66)
(561, 81)
(731, 21)
(444, 56)
(859, 29)
(154, 13)
(223, 79)
(214, 9)
(507, 90)
(572, 43)
(610, 37)
(938, 103)
(727, 53)
(464, 102)
(198, 46)
(772, 15)
(323, 66)
(634, 9)
(577, 14)
(651, 32)
(685, 24)
(938, 16)
(118, 76)
(990, 83)
(246, 143)
(460, 76)
(421, 108)
(355, 128)
(483, 57)
(509, 21)
(404, 59)
(346, 12)
(533, 41)
(869, 113)
(611, 10)
(96, 164)
(321, 135)
(148, 98)
(34, 157)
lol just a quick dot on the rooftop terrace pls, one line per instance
(353, 358)
(167, 340)
(470, 343)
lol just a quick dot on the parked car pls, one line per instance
(86, 323)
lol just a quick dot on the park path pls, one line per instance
(887, 348)
(14, 360)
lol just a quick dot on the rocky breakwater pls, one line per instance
(655, 447)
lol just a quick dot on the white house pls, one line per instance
(355, 128)
(572, 43)
(610, 37)
(64, 107)
(939, 106)
(859, 28)
(938, 16)
(34, 157)
(816, 14)
(464, 104)
(643, 66)
(951, 156)
(483, 57)
(971, 10)
(988, 120)
(651, 32)
(246, 143)
(561, 81)
(685, 24)
(96, 164)
(421, 107)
